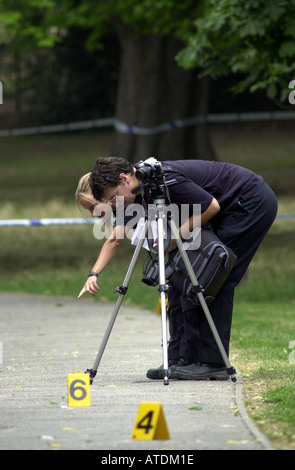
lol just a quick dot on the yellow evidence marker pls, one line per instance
(150, 422)
(79, 389)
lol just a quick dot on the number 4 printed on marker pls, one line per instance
(145, 422)
(150, 422)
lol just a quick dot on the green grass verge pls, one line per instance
(261, 335)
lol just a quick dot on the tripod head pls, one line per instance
(150, 173)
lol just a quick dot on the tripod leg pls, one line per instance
(163, 288)
(230, 370)
(122, 291)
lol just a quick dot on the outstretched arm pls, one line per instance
(107, 252)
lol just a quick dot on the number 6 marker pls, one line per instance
(78, 390)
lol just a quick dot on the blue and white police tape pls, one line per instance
(208, 118)
(64, 127)
(44, 222)
(285, 217)
(77, 221)
(168, 126)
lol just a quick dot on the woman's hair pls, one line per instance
(106, 173)
(83, 191)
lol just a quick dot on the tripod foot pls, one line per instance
(92, 374)
(166, 380)
(232, 373)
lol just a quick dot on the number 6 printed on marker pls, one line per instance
(79, 390)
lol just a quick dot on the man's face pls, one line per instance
(123, 189)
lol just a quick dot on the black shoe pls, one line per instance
(158, 374)
(182, 361)
(201, 372)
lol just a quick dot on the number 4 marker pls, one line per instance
(150, 422)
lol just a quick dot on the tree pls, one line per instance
(153, 90)
(152, 87)
(254, 38)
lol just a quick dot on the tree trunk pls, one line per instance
(152, 91)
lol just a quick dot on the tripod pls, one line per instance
(163, 288)
(160, 198)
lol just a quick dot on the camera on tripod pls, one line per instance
(149, 169)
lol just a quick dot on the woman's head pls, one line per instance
(84, 196)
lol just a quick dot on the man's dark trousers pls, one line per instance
(240, 225)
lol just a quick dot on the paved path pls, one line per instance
(45, 339)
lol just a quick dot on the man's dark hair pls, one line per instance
(106, 173)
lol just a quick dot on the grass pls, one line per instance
(44, 255)
(262, 333)
(38, 179)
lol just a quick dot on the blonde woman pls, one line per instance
(84, 197)
(86, 201)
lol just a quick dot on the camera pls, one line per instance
(149, 169)
(152, 178)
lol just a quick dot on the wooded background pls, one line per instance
(146, 63)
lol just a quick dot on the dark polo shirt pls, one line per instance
(198, 181)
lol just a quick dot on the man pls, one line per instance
(239, 206)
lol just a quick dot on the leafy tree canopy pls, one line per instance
(255, 38)
(29, 23)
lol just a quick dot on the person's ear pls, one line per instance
(124, 178)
